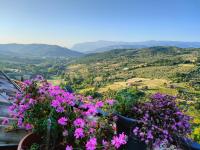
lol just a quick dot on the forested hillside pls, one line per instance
(169, 63)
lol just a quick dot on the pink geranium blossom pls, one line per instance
(68, 147)
(55, 103)
(110, 101)
(105, 144)
(65, 133)
(5, 121)
(91, 144)
(62, 121)
(79, 122)
(117, 141)
(99, 104)
(28, 126)
(79, 133)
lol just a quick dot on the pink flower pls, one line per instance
(79, 122)
(91, 111)
(27, 82)
(91, 144)
(65, 133)
(118, 141)
(93, 123)
(99, 104)
(62, 121)
(91, 130)
(110, 101)
(90, 97)
(68, 147)
(19, 122)
(105, 144)
(5, 121)
(32, 101)
(60, 109)
(79, 133)
(55, 103)
(28, 126)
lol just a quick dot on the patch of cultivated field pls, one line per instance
(115, 86)
(85, 90)
(161, 72)
(152, 85)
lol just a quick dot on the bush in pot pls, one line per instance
(158, 120)
(65, 120)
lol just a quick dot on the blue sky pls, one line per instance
(65, 22)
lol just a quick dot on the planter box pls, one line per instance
(125, 125)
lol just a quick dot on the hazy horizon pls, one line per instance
(97, 41)
(67, 22)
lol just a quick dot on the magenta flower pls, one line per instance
(135, 130)
(91, 111)
(99, 104)
(32, 101)
(118, 141)
(62, 121)
(20, 122)
(105, 144)
(68, 147)
(149, 135)
(55, 103)
(65, 133)
(60, 109)
(91, 130)
(79, 122)
(28, 126)
(27, 82)
(79, 133)
(110, 101)
(91, 144)
(5, 121)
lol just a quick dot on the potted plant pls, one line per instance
(155, 123)
(63, 120)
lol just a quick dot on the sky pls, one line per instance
(66, 22)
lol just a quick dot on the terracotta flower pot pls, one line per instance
(28, 140)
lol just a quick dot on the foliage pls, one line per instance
(126, 98)
(35, 146)
(196, 131)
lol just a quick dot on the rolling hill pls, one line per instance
(36, 50)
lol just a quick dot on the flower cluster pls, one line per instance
(118, 141)
(160, 120)
(73, 117)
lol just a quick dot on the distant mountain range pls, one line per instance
(100, 46)
(36, 50)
